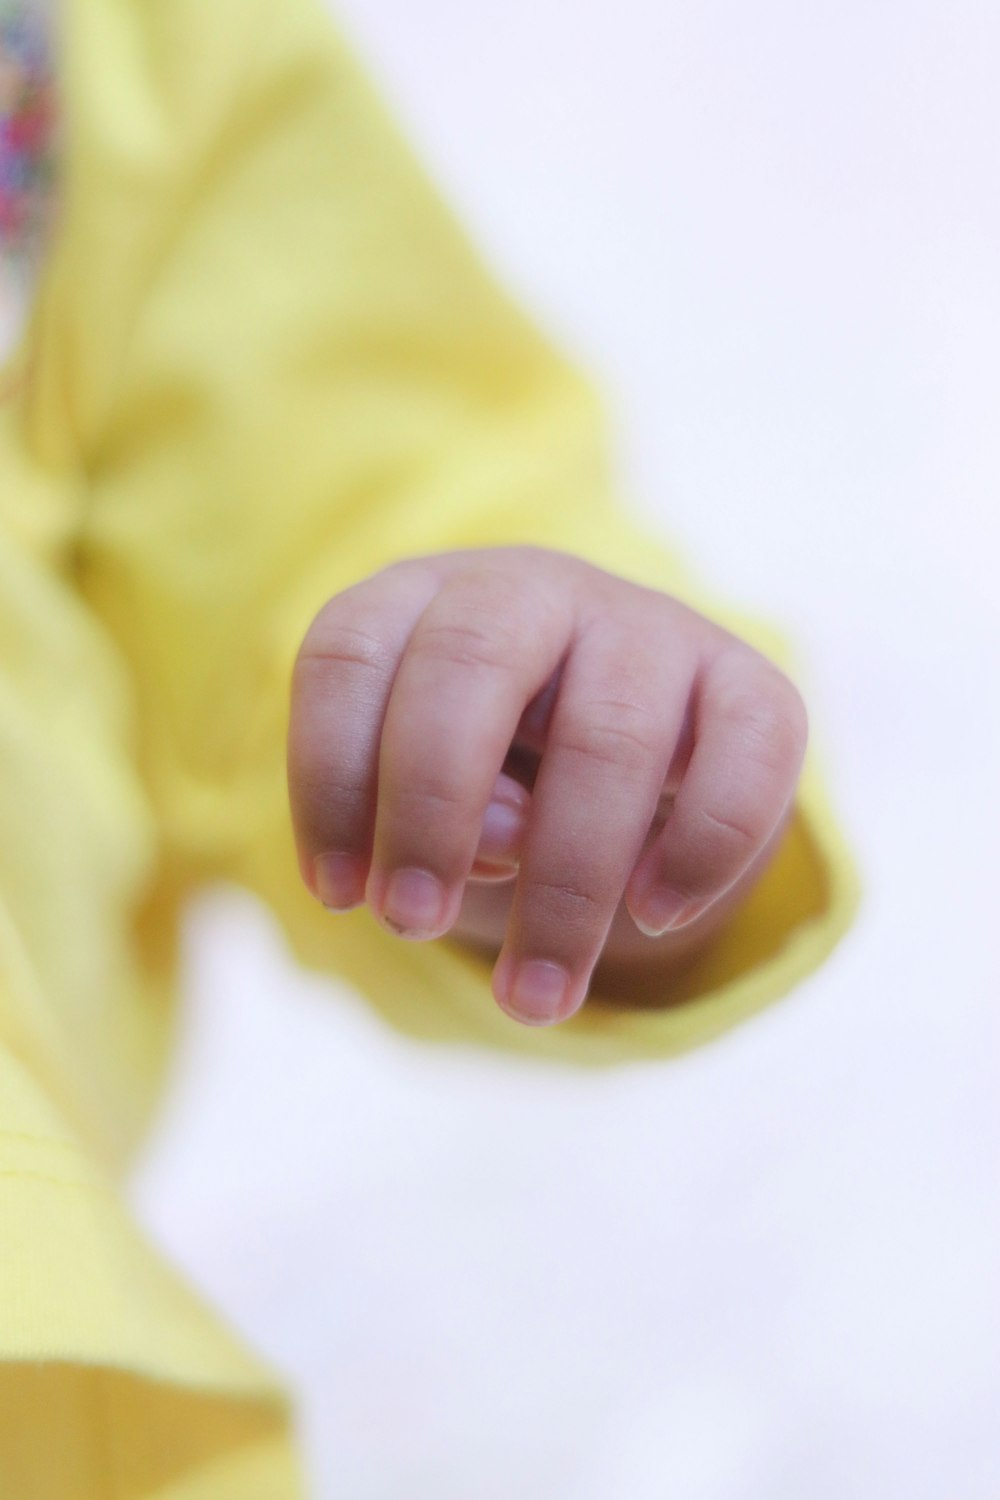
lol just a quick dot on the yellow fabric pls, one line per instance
(263, 362)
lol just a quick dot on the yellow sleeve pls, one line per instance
(285, 367)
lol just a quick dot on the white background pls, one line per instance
(768, 1270)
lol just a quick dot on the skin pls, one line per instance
(647, 758)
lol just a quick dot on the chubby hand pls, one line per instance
(517, 714)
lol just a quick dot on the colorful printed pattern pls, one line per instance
(27, 125)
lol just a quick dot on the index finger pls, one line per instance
(481, 650)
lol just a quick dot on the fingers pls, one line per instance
(750, 732)
(499, 717)
(406, 695)
(341, 683)
(615, 723)
(483, 647)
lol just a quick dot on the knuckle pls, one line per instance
(428, 790)
(567, 904)
(333, 641)
(768, 718)
(612, 733)
(737, 832)
(466, 640)
(483, 618)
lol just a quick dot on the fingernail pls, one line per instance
(340, 882)
(503, 826)
(414, 904)
(537, 993)
(662, 911)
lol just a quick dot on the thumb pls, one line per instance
(504, 825)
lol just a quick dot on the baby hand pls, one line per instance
(517, 713)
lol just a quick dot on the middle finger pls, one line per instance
(617, 721)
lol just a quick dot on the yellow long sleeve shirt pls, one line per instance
(263, 361)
